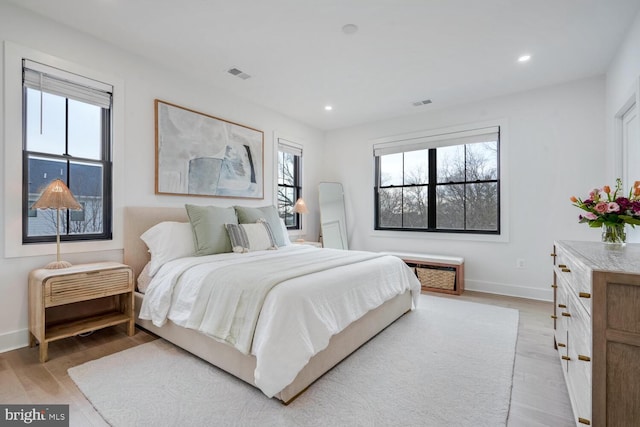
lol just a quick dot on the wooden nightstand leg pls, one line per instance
(128, 309)
(131, 329)
(44, 348)
(32, 340)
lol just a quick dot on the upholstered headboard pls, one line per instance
(137, 220)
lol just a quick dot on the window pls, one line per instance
(289, 182)
(67, 135)
(445, 183)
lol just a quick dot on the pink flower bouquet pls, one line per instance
(606, 208)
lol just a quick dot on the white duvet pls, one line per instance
(298, 317)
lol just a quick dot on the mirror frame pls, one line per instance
(333, 221)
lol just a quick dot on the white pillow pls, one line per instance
(251, 237)
(287, 240)
(144, 279)
(167, 241)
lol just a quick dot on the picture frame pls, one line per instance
(202, 155)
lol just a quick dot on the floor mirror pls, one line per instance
(333, 224)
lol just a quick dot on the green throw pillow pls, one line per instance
(208, 225)
(269, 214)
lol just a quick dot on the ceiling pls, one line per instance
(299, 59)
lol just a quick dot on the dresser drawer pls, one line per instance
(579, 347)
(87, 285)
(576, 275)
(561, 321)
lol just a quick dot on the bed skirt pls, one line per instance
(243, 366)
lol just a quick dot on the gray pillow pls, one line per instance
(208, 225)
(269, 214)
(251, 237)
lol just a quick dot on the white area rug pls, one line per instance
(448, 363)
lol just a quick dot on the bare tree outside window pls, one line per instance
(461, 194)
(289, 187)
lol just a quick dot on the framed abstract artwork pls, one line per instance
(202, 155)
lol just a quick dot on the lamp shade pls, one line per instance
(57, 196)
(300, 207)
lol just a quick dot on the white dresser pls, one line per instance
(597, 330)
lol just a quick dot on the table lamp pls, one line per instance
(300, 207)
(57, 196)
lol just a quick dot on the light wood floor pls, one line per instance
(539, 395)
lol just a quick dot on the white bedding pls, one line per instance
(298, 317)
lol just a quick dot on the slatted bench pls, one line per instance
(437, 273)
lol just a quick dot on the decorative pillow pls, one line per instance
(208, 224)
(285, 232)
(269, 214)
(167, 241)
(251, 237)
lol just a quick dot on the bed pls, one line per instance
(229, 358)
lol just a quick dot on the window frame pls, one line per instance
(13, 55)
(105, 162)
(432, 185)
(297, 180)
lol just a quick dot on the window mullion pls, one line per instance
(464, 191)
(402, 193)
(432, 193)
(68, 163)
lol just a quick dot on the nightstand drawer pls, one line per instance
(87, 285)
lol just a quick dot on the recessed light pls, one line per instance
(524, 58)
(350, 29)
(328, 107)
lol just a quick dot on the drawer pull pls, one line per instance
(554, 317)
(553, 254)
(566, 270)
(565, 314)
(554, 286)
(566, 358)
(561, 344)
(562, 306)
(562, 265)
(92, 272)
(584, 295)
(584, 421)
(584, 358)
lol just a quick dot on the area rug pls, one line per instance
(447, 363)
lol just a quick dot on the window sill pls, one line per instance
(42, 249)
(463, 237)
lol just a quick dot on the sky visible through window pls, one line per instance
(415, 167)
(84, 126)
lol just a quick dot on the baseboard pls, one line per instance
(509, 290)
(12, 340)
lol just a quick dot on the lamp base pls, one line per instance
(57, 265)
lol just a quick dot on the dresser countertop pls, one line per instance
(608, 258)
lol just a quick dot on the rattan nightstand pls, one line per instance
(82, 298)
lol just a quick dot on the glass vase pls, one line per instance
(614, 234)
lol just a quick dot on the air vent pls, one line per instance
(419, 103)
(238, 73)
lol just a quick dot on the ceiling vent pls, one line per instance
(238, 73)
(419, 103)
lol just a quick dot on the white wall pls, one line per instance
(143, 82)
(554, 148)
(623, 87)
